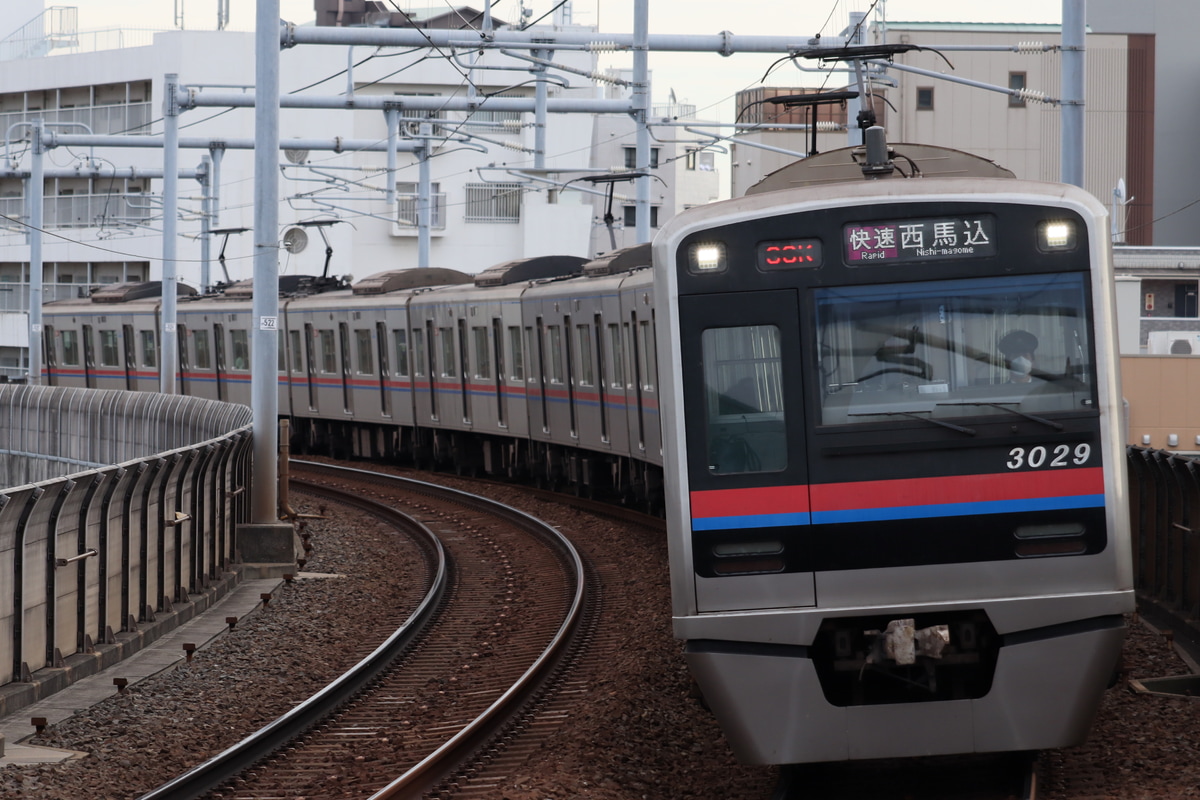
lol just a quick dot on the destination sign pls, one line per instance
(920, 240)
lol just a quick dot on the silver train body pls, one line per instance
(877, 548)
(887, 537)
(542, 368)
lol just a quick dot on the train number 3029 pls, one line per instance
(1041, 456)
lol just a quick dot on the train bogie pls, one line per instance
(896, 524)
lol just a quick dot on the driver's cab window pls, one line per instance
(743, 388)
(958, 348)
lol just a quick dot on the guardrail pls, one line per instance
(145, 518)
(1164, 507)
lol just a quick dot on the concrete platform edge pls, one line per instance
(47, 681)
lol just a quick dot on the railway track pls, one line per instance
(452, 688)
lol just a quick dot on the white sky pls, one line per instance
(708, 81)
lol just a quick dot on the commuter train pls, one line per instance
(889, 409)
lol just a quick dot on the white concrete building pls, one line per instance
(490, 204)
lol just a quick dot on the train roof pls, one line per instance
(911, 160)
(398, 279)
(530, 269)
(623, 260)
(288, 285)
(127, 292)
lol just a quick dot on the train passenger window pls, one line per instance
(328, 350)
(281, 364)
(240, 349)
(744, 408)
(554, 351)
(401, 339)
(200, 343)
(110, 353)
(418, 359)
(483, 357)
(365, 364)
(70, 348)
(960, 348)
(446, 335)
(149, 349)
(617, 372)
(297, 351)
(587, 375)
(649, 357)
(518, 353)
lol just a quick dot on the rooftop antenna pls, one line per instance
(226, 232)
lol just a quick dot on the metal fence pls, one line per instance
(1164, 502)
(129, 506)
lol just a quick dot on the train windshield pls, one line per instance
(954, 348)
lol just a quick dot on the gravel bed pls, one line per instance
(642, 733)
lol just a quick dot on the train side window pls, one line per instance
(385, 367)
(483, 358)
(110, 353)
(554, 346)
(182, 334)
(617, 371)
(649, 358)
(328, 351)
(587, 375)
(448, 359)
(401, 339)
(200, 343)
(240, 348)
(149, 349)
(744, 408)
(418, 360)
(70, 348)
(297, 351)
(518, 353)
(281, 364)
(365, 364)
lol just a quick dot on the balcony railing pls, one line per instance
(87, 210)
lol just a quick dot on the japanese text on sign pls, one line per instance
(921, 240)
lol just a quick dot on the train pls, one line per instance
(884, 389)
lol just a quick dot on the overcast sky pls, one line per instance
(708, 81)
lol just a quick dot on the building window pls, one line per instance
(493, 202)
(631, 216)
(631, 157)
(700, 160)
(1016, 82)
(406, 205)
(924, 98)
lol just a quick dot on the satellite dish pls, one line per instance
(295, 240)
(296, 156)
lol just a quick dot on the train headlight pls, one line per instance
(1055, 235)
(707, 257)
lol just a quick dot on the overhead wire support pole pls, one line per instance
(264, 382)
(1074, 31)
(424, 197)
(641, 114)
(36, 195)
(206, 202)
(541, 97)
(169, 351)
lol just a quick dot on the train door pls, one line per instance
(541, 376)
(465, 372)
(501, 372)
(601, 377)
(385, 368)
(219, 360)
(184, 365)
(745, 447)
(564, 343)
(347, 365)
(89, 358)
(431, 349)
(49, 356)
(129, 346)
(310, 352)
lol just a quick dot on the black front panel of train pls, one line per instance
(924, 407)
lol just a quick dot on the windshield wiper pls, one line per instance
(913, 415)
(1049, 422)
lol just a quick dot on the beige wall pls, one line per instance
(1163, 393)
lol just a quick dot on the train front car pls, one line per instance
(895, 471)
